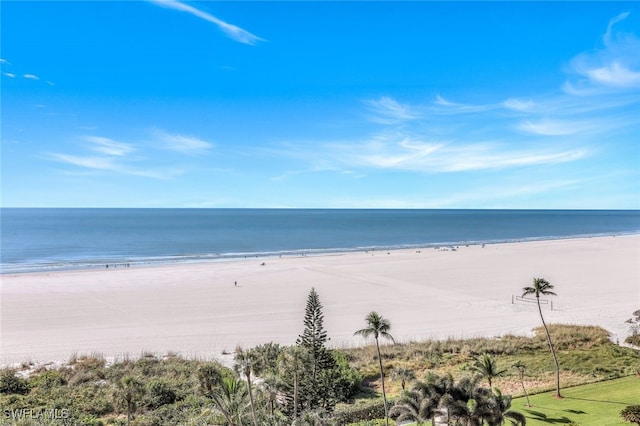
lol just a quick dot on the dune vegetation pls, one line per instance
(312, 384)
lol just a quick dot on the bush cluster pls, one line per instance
(364, 411)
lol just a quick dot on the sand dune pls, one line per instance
(196, 310)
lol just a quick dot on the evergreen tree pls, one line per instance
(313, 339)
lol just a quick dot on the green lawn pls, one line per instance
(597, 404)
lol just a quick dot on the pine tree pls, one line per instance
(313, 339)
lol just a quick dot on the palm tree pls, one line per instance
(471, 412)
(521, 367)
(403, 374)
(230, 399)
(246, 363)
(270, 389)
(487, 368)
(415, 405)
(228, 394)
(294, 360)
(378, 327)
(631, 414)
(128, 391)
(438, 388)
(500, 408)
(542, 286)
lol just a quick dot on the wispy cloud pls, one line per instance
(428, 157)
(108, 155)
(387, 110)
(433, 158)
(28, 76)
(614, 65)
(111, 164)
(181, 143)
(614, 74)
(448, 107)
(608, 35)
(236, 33)
(554, 127)
(108, 146)
(519, 105)
(99, 163)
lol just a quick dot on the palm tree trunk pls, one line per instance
(524, 390)
(295, 395)
(553, 352)
(253, 408)
(224, 412)
(384, 393)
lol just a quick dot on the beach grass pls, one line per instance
(585, 354)
(85, 385)
(596, 404)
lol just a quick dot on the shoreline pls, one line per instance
(194, 309)
(138, 262)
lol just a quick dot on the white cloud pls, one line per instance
(405, 154)
(415, 155)
(108, 155)
(474, 158)
(519, 105)
(614, 66)
(111, 164)
(4, 62)
(449, 107)
(31, 77)
(108, 146)
(443, 102)
(99, 163)
(614, 74)
(182, 143)
(554, 127)
(607, 38)
(9, 74)
(232, 31)
(389, 111)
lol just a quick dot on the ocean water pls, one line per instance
(55, 239)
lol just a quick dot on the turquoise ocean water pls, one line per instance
(55, 239)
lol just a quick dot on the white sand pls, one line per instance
(195, 309)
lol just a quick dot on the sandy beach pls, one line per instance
(197, 310)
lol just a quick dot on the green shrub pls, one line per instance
(631, 413)
(348, 380)
(48, 379)
(367, 411)
(376, 422)
(159, 393)
(12, 384)
(633, 340)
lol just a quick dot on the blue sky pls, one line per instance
(321, 104)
